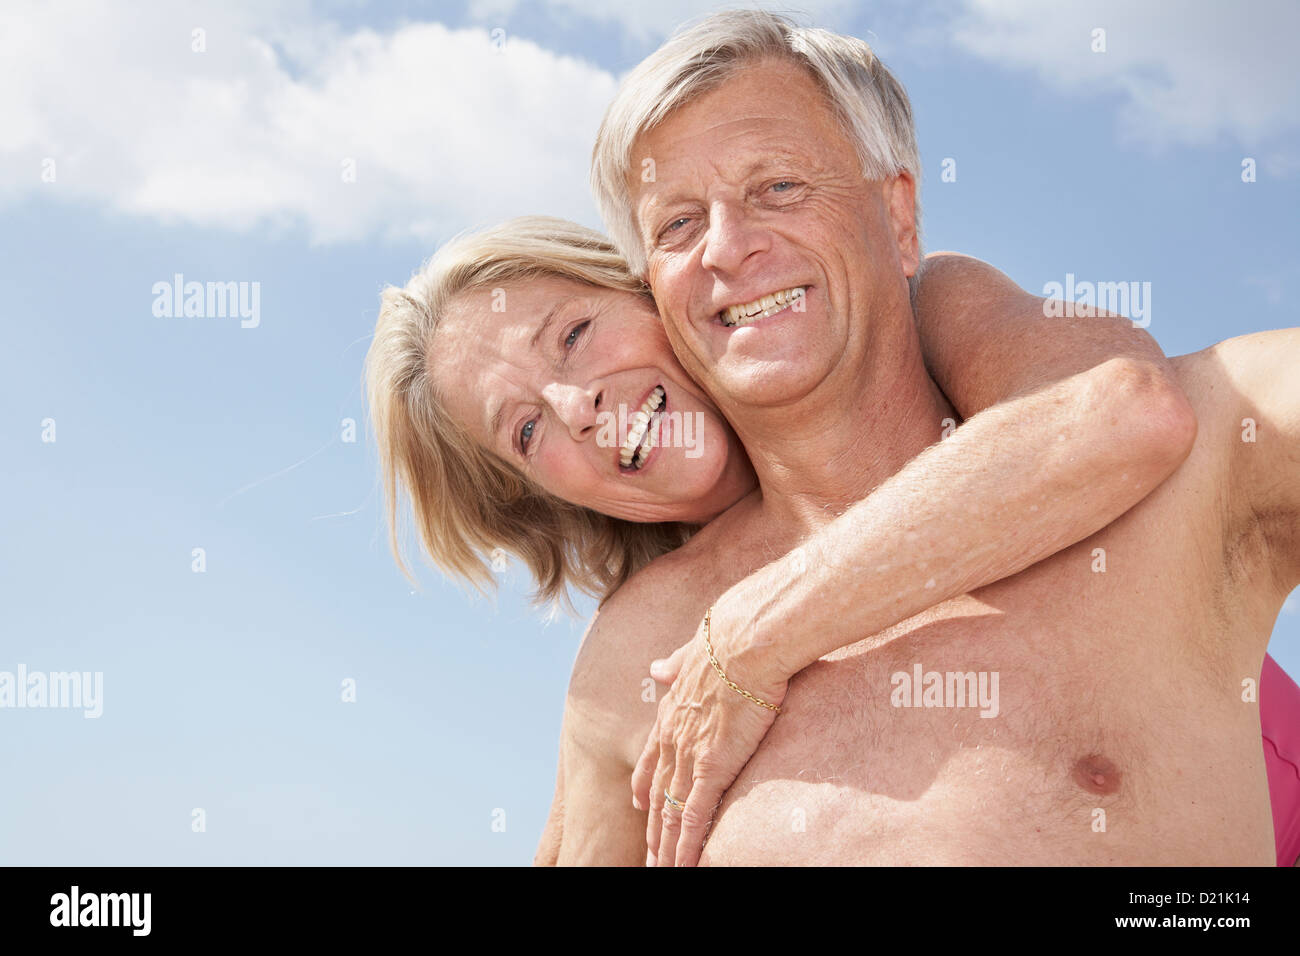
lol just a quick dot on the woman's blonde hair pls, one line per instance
(467, 501)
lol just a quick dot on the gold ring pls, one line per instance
(675, 804)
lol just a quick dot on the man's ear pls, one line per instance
(901, 195)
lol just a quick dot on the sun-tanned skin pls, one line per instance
(1121, 690)
(1100, 381)
(1134, 674)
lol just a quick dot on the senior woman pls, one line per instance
(495, 374)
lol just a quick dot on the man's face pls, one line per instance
(758, 202)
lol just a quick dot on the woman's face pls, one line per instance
(578, 387)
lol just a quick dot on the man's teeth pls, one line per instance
(760, 308)
(634, 452)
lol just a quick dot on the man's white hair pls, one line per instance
(867, 99)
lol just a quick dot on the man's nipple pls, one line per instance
(1097, 774)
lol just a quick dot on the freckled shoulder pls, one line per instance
(637, 624)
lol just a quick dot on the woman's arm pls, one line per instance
(548, 847)
(1070, 422)
(591, 823)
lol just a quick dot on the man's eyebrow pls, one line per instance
(654, 202)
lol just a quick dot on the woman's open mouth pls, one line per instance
(644, 431)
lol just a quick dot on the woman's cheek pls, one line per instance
(572, 478)
(550, 473)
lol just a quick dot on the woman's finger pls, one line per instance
(643, 774)
(662, 775)
(680, 788)
(705, 796)
(666, 669)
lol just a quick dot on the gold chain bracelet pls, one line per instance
(708, 646)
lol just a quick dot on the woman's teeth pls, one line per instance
(760, 308)
(633, 453)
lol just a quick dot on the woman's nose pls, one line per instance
(576, 406)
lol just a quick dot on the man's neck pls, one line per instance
(816, 458)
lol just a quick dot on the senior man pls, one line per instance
(1120, 727)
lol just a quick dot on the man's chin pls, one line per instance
(756, 384)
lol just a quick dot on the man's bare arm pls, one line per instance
(986, 340)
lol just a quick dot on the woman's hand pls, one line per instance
(704, 734)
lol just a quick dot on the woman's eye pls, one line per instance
(526, 433)
(571, 339)
(782, 186)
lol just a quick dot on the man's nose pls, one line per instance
(577, 406)
(733, 236)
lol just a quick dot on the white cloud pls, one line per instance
(658, 19)
(444, 129)
(447, 131)
(1190, 72)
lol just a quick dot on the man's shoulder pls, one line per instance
(1244, 361)
(1231, 380)
(1246, 392)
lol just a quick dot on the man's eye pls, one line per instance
(571, 339)
(782, 186)
(674, 226)
(526, 433)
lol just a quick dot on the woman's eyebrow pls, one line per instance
(494, 427)
(547, 322)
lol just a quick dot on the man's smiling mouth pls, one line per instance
(760, 308)
(640, 436)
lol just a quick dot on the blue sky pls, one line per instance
(222, 689)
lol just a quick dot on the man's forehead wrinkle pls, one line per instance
(732, 157)
(668, 152)
(722, 131)
(784, 161)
